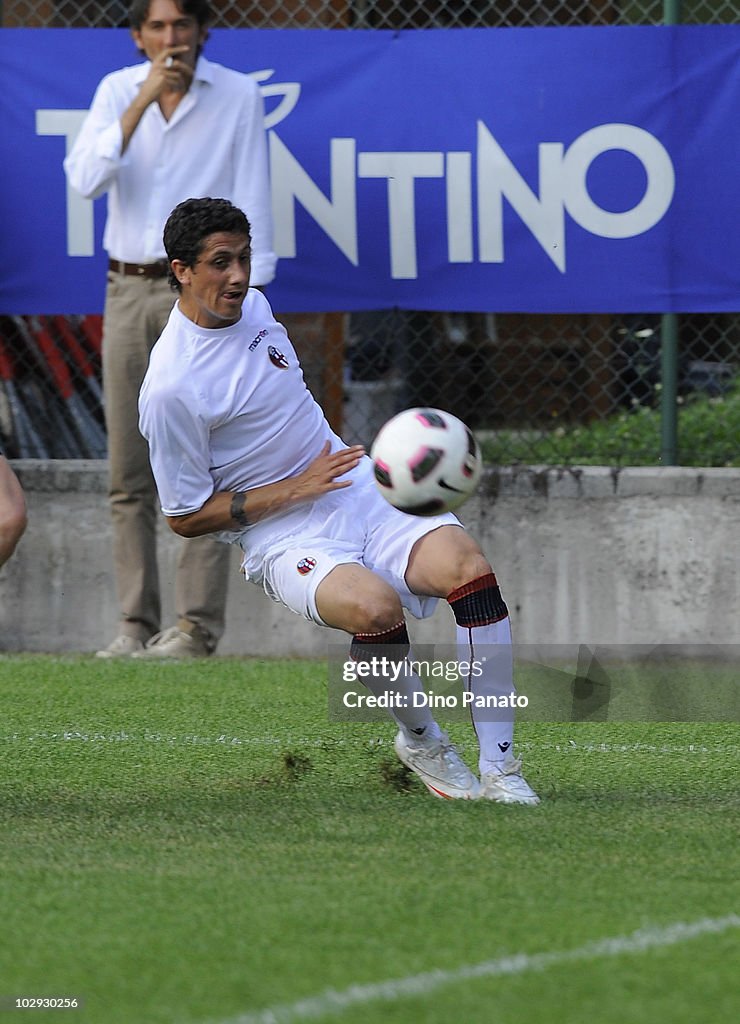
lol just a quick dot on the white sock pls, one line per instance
(494, 728)
(417, 723)
(392, 645)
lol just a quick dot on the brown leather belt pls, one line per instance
(149, 270)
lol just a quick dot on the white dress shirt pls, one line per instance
(213, 145)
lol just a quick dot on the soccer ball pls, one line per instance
(426, 461)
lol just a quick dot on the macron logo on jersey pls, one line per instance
(253, 344)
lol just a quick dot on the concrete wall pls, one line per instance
(636, 556)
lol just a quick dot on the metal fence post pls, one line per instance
(669, 336)
(669, 390)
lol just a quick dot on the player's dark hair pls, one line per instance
(191, 222)
(138, 11)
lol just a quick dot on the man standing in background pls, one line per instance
(157, 133)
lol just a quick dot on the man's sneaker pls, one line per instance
(123, 646)
(174, 644)
(508, 786)
(439, 766)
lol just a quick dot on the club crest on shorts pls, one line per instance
(277, 358)
(305, 566)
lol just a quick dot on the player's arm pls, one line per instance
(228, 510)
(12, 511)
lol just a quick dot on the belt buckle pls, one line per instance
(141, 270)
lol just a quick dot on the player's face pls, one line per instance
(167, 27)
(215, 287)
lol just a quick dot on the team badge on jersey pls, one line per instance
(277, 358)
(305, 566)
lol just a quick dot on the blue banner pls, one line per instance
(506, 170)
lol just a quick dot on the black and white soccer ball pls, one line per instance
(426, 461)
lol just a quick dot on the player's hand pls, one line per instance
(324, 472)
(168, 73)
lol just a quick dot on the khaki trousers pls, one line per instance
(136, 311)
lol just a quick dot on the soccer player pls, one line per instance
(240, 449)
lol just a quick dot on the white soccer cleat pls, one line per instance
(439, 766)
(508, 786)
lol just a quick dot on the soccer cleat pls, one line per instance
(508, 786)
(439, 766)
(174, 644)
(124, 646)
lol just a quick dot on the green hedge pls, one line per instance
(708, 435)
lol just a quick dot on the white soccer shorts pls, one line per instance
(291, 554)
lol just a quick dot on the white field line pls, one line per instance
(337, 1002)
(228, 740)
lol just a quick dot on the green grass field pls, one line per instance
(199, 844)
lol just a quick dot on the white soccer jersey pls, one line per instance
(227, 409)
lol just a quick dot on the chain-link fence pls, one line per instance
(562, 389)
